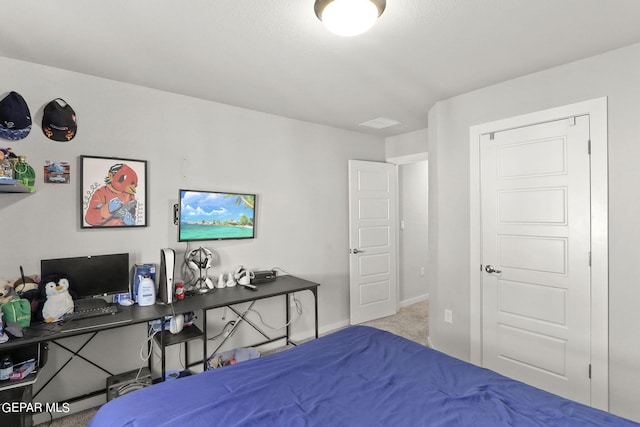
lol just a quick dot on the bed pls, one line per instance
(358, 376)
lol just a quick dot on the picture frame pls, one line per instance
(113, 192)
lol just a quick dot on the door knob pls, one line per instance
(357, 251)
(489, 269)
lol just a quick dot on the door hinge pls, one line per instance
(589, 259)
(589, 147)
(572, 121)
(492, 136)
(589, 370)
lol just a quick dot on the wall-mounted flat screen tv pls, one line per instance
(211, 215)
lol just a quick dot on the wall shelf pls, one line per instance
(13, 187)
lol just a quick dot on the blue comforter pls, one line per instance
(359, 376)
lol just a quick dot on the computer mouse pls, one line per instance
(126, 302)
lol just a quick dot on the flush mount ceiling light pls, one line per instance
(348, 18)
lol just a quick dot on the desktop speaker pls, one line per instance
(119, 385)
(176, 323)
(166, 290)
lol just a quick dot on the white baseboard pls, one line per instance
(309, 333)
(324, 330)
(334, 327)
(414, 300)
(430, 343)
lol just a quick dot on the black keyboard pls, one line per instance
(97, 317)
(95, 312)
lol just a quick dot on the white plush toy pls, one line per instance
(6, 291)
(59, 301)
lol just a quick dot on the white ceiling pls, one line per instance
(275, 56)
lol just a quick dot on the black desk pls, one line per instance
(225, 297)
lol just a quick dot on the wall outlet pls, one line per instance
(448, 316)
(422, 271)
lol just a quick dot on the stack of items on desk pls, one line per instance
(15, 311)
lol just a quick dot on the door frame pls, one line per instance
(401, 161)
(597, 111)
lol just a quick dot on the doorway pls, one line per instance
(413, 209)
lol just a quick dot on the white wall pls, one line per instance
(614, 75)
(406, 144)
(297, 169)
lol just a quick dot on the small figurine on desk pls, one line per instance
(58, 302)
(231, 281)
(221, 282)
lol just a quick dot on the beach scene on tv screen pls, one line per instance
(205, 215)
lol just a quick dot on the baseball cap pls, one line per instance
(15, 119)
(59, 121)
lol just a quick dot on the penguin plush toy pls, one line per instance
(58, 299)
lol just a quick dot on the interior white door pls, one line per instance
(535, 209)
(372, 240)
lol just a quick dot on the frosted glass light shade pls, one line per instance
(348, 18)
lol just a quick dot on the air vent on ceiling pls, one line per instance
(380, 123)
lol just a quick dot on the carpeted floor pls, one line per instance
(411, 322)
(79, 419)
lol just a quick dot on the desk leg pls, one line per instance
(287, 316)
(149, 348)
(186, 354)
(204, 339)
(315, 299)
(162, 349)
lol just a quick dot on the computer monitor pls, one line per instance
(92, 275)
